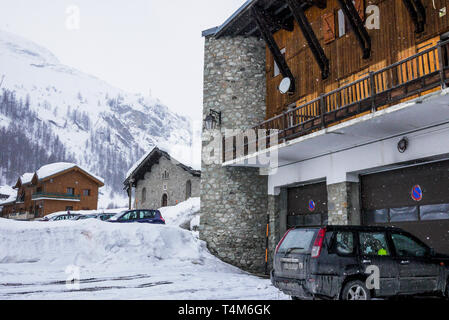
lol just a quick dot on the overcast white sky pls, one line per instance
(136, 45)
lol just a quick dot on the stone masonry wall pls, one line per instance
(234, 200)
(175, 185)
(343, 203)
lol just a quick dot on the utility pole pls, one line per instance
(130, 191)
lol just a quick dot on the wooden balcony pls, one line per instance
(427, 70)
(55, 196)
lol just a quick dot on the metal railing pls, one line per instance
(54, 196)
(423, 71)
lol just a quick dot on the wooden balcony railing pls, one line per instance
(55, 196)
(421, 72)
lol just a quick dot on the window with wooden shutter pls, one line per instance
(328, 27)
(343, 24)
(277, 71)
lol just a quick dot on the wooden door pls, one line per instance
(164, 200)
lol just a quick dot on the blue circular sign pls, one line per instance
(417, 193)
(312, 205)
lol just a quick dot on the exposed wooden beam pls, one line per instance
(417, 12)
(239, 30)
(421, 12)
(281, 8)
(276, 23)
(357, 25)
(252, 31)
(307, 31)
(265, 31)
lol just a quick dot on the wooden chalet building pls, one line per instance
(53, 188)
(353, 98)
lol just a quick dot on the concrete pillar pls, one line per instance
(277, 211)
(344, 203)
(274, 214)
(234, 200)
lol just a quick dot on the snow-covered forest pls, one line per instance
(26, 143)
(57, 113)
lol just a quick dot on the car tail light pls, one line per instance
(280, 242)
(316, 249)
(162, 218)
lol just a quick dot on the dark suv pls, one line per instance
(138, 215)
(357, 263)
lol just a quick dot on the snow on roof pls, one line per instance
(168, 151)
(135, 165)
(10, 199)
(26, 177)
(185, 154)
(52, 169)
(7, 190)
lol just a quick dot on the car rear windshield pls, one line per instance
(298, 241)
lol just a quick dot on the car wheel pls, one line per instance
(356, 290)
(295, 298)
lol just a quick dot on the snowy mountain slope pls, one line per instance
(105, 129)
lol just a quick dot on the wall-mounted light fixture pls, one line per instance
(212, 120)
(403, 145)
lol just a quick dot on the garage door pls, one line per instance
(307, 205)
(415, 199)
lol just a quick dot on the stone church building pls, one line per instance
(160, 181)
(352, 96)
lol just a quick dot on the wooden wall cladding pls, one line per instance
(394, 41)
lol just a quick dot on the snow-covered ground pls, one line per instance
(118, 261)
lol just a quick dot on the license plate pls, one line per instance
(293, 266)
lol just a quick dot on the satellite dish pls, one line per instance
(285, 85)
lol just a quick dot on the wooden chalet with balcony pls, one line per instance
(53, 188)
(344, 59)
(334, 101)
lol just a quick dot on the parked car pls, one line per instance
(337, 262)
(62, 217)
(86, 217)
(138, 215)
(105, 216)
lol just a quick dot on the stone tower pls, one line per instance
(234, 200)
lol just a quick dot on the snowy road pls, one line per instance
(32, 282)
(116, 261)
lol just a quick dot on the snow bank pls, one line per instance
(181, 214)
(119, 261)
(93, 242)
